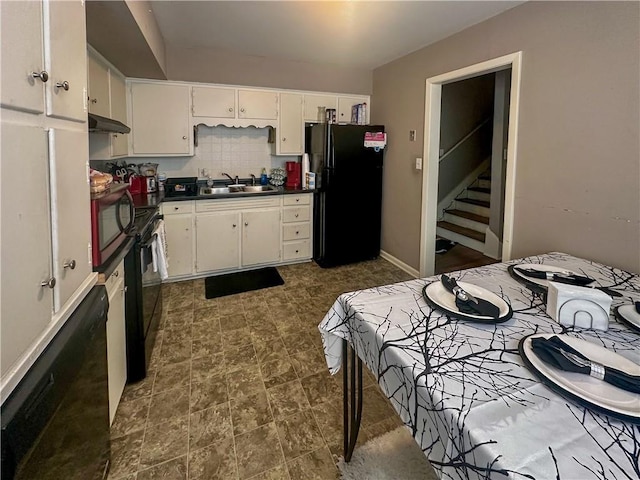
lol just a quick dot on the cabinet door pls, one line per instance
(70, 211)
(217, 241)
(258, 105)
(98, 85)
(118, 95)
(260, 236)
(160, 119)
(344, 108)
(179, 244)
(116, 348)
(290, 125)
(25, 306)
(313, 102)
(21, 27)
(65, 59)
(214, 102)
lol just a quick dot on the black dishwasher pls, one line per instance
(55, 424)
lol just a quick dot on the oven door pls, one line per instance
(151, 290)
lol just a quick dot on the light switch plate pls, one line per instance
(418, 163)
(412, 135)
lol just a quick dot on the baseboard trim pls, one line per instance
(400, 264)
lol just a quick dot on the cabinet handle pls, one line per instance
(49, 283)
(64, 85)
(43, 75)
(70, 264)
(184, 137)
(94, 100)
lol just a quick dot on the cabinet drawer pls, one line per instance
(114, 278)
(174, 208)
(297, 199)
(295, 231)
(297, 250)
(295, 214)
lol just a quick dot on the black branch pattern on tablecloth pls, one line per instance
(437, 370)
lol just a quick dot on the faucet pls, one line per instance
(253, 180)
(235, 182)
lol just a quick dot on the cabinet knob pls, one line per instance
(70, 264)
(297, 232)
(230, 109)
(116, 274)
(297, 215)
(176, 208)
(297, 251)
(234, 225)
(242, 110)
(246, 224)
(124, 289)
(64, 85)
(297, 200)
(49, 283)
(284, 139)
(184, 137)
(94, 100)
(43, 75)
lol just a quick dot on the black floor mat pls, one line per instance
(231, 283)
(443, 245)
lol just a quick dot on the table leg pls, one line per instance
(352, 398)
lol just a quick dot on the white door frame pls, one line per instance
(432, 111)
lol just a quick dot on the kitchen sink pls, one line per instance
(236, 188)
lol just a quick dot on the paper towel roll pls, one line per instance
(305, 169)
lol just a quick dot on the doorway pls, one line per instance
(432, 152)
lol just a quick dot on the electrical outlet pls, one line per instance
(412, 135)
(418, 163)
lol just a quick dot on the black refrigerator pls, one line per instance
(348, 198)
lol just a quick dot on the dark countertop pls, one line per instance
(278, 191)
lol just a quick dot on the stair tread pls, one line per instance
(472, 201)
(480, 189)
(471, 216)
(467, 232)
(485, 177)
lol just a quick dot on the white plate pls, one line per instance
(444, 299)
(629, 315)
(588, 390)
(542, 268)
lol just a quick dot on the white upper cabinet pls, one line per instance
(344, 108)
(290, 131)
(160, 119)
(70, 207)
(65, 59)
(25, 258)
(256, 104)
(98, 87)
(214, 102)
(23, 72)
(314, 105)
(118, 100)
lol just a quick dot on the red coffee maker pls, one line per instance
(294, 177)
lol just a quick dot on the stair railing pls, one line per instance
(465, 138)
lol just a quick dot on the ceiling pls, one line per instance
(363, 34)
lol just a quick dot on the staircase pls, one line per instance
(466, 220)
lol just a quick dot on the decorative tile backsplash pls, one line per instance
(236, 151)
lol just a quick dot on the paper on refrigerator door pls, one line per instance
(375, 139)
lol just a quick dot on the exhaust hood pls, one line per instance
(98, 124)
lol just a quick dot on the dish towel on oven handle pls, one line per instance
(159, 250)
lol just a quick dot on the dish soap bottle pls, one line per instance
(263, 177)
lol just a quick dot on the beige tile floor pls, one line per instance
(238, 387)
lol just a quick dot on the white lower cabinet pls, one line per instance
(223, 235)
(116, 339)
(178, 220)
(217, 241)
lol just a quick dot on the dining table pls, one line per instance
(465, 389)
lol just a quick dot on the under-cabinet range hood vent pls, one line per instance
(98, 124)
